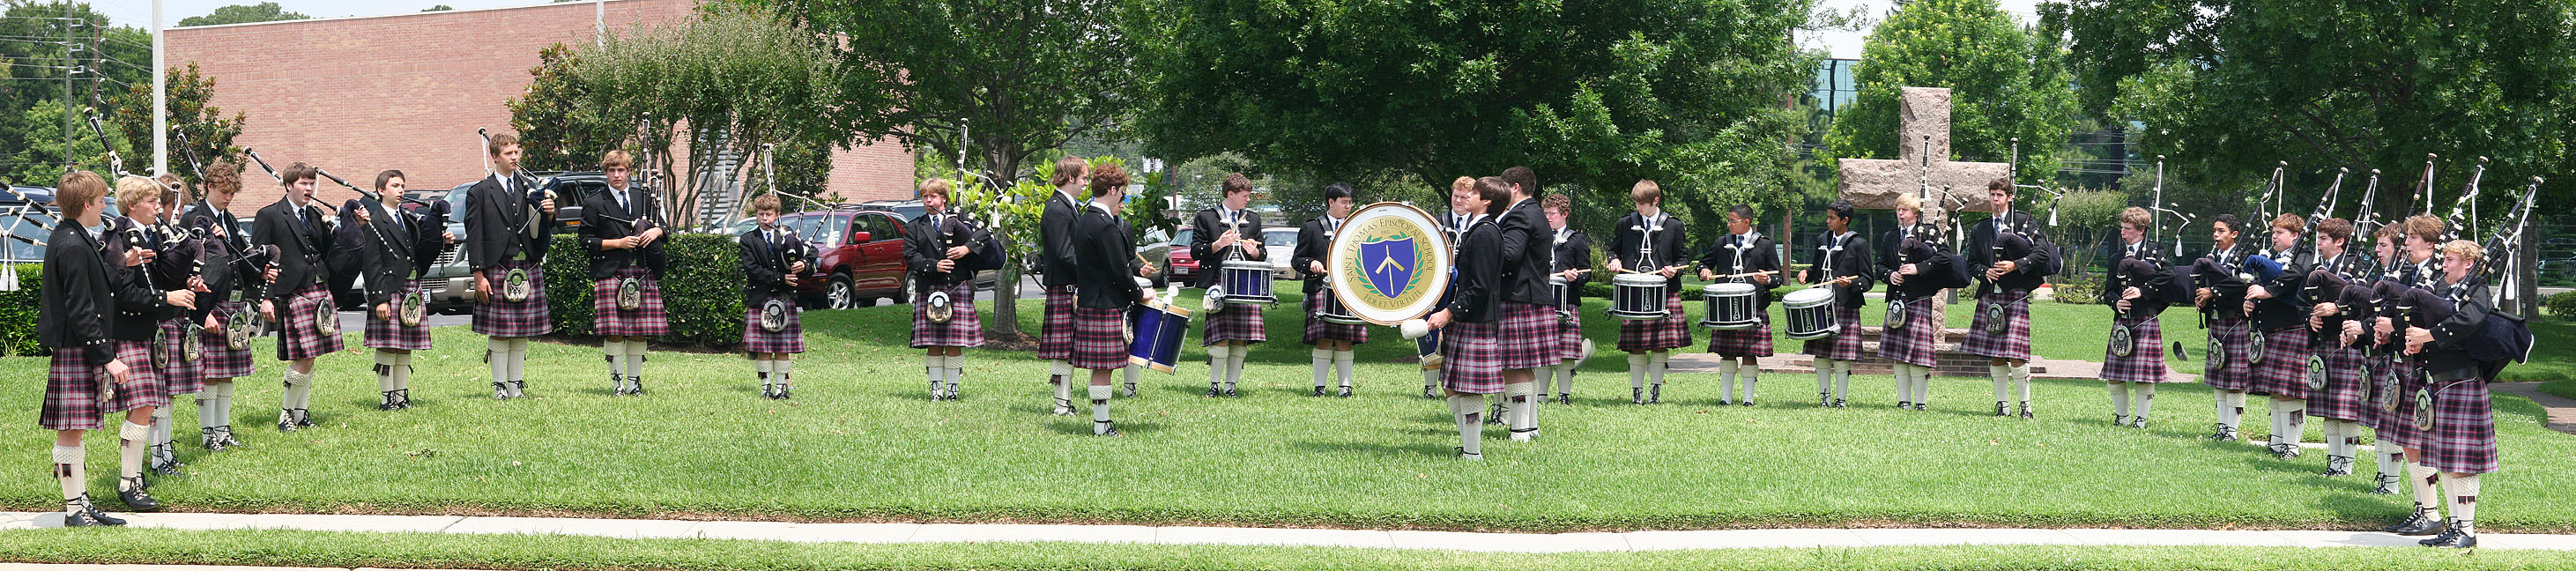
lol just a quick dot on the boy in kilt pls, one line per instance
(1334, 342)
(228, 281)
(1747, 257)
(2390, 435)
(1221, 233)
(1914, 264)
(1530, 328)
(2220, 297)
(943, 250)
(2460, 445)
(1106, 278)
(622, 229)
(1473, 320)
(2418, 270)
(2280, 309)
(2343, 401)
(2001, 331)
(297, 300)
(96, 292)
(1461, 190)
(2138, 290)
(180, 374)
(395, 250)
(1572, 261)
(1649, 241)
(772, 260)
(1056, 271)
(504, 237)
(1842, 262)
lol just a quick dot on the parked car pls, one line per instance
(907, 210)
(860, 257)
(449, 284)
(1180, 267)
(1281, 245)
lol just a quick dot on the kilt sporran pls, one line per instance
(630, 293)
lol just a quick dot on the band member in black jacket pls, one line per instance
(507, 237)
(1841, 262)
(2342, 403)
(2221, 298)
(177, 264)
(1220, 234)
(1056, 271)
(139, 332)
(2446, 331)
(773, 259)
(1745, 256)
(1571, 261)
(1530, 327)
(1472, 323)
(1105, 278)
(2001, 331)
(91, 290)
(942, 250)
(1333, 341)
(396, 248)
(298, 300)
(622, 229)
(2138, 289)
(2280, 311)
(229, 279)
(1916, 266)
(1650, 241)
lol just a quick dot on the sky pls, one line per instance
(1840, 44)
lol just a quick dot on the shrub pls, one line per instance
(18, 313)
(2562, 305)
(702, 289)
(2079, 288)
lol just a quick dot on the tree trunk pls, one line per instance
(1005, 325)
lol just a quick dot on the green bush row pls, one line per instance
(702, 290)
(18, 313)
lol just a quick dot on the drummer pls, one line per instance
(1461, 191)
(1842, 263)
(1573, 264)
(1747, 257)
(1222, 233)
(1472, 324)
(1650, 242)
(1333, 341)
(1106, 271)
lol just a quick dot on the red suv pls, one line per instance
(861, 255)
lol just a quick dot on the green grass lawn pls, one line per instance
(861, 442)
(431, 551)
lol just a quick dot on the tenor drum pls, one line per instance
(1811, 313)
(1158, 329)
(1730, 306)
(1245, 282)
(1638, 297)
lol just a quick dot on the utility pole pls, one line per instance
(160, 97)
(71, 66)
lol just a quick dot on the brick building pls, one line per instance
(364, 94)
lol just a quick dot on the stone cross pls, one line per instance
(1923, 120)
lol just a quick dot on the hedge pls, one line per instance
(702, 289)
(2563, 305)
(18, 313)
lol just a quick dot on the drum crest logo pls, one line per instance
(1394, 261)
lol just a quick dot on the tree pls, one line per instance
(204, 134)
(2229, 89)
(35, 61)
(242, 14)
(1591, 94)
(438, 8)
(2005, 82)
(561, 126)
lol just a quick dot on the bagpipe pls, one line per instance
(179, 251)
(983, 252)
(326, 322)
(427, 231)
(790, 249)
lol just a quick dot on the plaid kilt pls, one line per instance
(2146, 360)
(1234, 322)
(297, 340)
(1844, 345)
(2463, 436)
(2343, 397)
(1569, 337)
(2014, 342)
(72, 388)
(2229, 335)
(1318, 329)
(789, 339)
(1100, 341)
(1755, 342)
(963, 329)
(2400, 423)
(649, 319)
(391, 334)
(179, 376)
(1915, 344)
(498, 318)
(222, 361)
(2284, 370)
(1055, 338)
(1474, 356)
(2384, 372)
(1529, 335)
(1639, 336)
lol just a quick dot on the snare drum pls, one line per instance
(1730, 306)
(1332, 311)
(1563, 295)
(1638, 297)
(1245, 282)
(1159, 329)
(1811, 313)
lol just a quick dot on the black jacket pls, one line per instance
(603, 219)
(2217, 272)
(2142, 269)
(496, 224)
(302, 244)
(1850, 257)
(1480, 274)
(140, 307)
(1314, 246)
(2289, 305)
(1628, 241)
(1762, 254)
(395, 249)
(764, 265)
(1527, 246)
(221, 277)
(1056, 240)
(1572, 251)
(924, 246)
(1203, 232)
(1924, 251)
(83, 299)
(2456, 316)
(1105, 268)
(2030, 269)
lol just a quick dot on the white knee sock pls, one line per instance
(935, 367)
(496, 354)
(223, 403)
(1323, 359)
(1726, 376)
(956, 371)
(1468, 410)
(1842, 379)
(1663, 360)
(2119, 399)
(1234, 365)
(2421, 478)
(2391, 458)
(2021, 376)
(1565, 377)
(1752, 377)
(1824, 379)
(2294, 420)
(385, 363)
(768, 370)
(2462, 493)
(1904, 383)
(402, 375)
(1430, 378)
(1638, 365)
(1922, 385)
(785, 368)
(70, 467)
(1343, 361)
(161, 433)
(1100, 409)
(1129, 373)
(2002, 375)
(1219, 357)
(130, 439)
(614, 353)
(298, 386)
(1516, 399)
(1545, 377)
(635, 350)
(208, 402)
(2146, 400)
(518, 366)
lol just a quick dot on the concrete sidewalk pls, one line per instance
(1182, 535)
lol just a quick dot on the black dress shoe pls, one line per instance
(1346, 393)
(1904, 404)
(1999, 410)
(2025, 411)
(1319, 390)
(303, 418)
(785, 393)
(1564, 398)
(1229, 391)
(1637, 395)
(1918, 407)
(1745, 402)
(1838, 403)
(2454, 538)
(136, 499)
(2422, 523)
(1427, 392)
(101, 518)
(1213, 392)
(1655, 394)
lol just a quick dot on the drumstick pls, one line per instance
(1629, 271)
(1747, 274)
